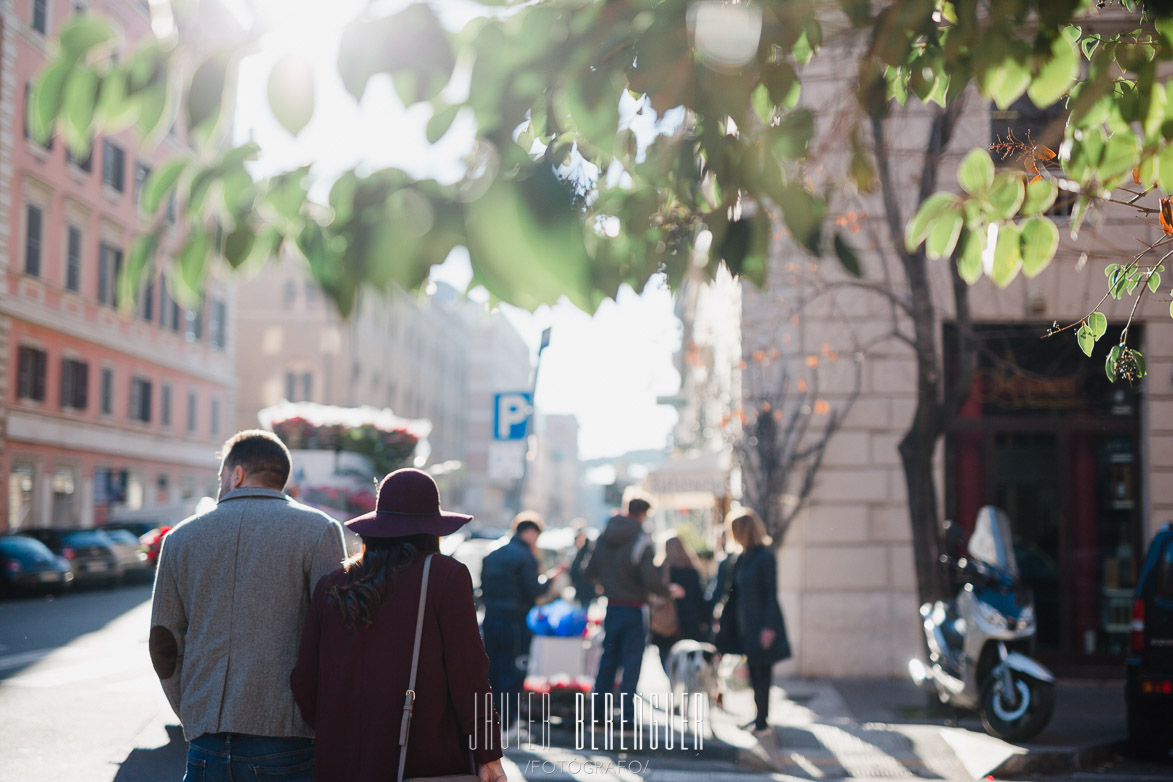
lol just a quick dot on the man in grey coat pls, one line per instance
(231, 593)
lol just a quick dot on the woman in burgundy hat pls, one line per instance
(356, 652)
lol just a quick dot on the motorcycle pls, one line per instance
(980, 642)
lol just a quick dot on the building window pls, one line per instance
(107, 391)
(307, 386)
(168, 308)
(140, 400)
(64, 484)
(290, 387)
(146, 301)
(215, 417)
(21, 482)
(217, 327)
(290, 292)
(141, 172)
(31, 364)
(109, 267)
(85, 164)
(165, 402)
(191, 411)
(32, 241)
(75, 380)
(40, 20)
(73, 258)
(114, 166)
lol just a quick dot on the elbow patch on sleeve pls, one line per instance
(164, 652)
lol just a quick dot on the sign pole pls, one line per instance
(519, 487)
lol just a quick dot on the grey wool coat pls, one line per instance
(232, 590)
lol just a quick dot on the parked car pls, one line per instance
(153, 541)
(90, 553)
(136, 528)
(1149, 680)
(131, 553)
(27, 566)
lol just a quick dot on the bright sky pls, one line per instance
(607, 369)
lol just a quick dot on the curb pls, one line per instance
(1058, 760)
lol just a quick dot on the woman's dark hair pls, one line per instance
(369, 575)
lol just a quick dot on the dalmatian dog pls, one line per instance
(692, 671)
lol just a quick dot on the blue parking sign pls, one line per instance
(511, 413)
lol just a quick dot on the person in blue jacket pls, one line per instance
(510, 586)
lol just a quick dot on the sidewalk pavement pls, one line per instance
(882, 728)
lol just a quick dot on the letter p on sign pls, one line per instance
(511, 412)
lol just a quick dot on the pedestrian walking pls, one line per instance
(510, 586)
(681, 568)
(584, 589)
(753, 611)
(622, 563)
(231, 590)
(393, 633)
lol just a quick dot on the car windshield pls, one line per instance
(85, 537)
(25, 549)
(121, 536)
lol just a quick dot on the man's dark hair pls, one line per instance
(262, 456)
(637, 506)
(525, 521)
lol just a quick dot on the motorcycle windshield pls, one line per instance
(991, 541)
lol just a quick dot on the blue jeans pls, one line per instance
(624, 640)
(507, 643)
(237, 757)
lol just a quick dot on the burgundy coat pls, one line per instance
(350, 684)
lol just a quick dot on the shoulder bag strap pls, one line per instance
(409, 700)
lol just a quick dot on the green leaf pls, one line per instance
(206, 94)
(745, 248)
(1040, 240)
(115, 111)
(1057, 76)
(1141, 366)
(803, 213)
(847, 256)
(1006, 196)
(945, 231)
(1119, 155)
(193, 263)
(1007, 82)
(1007, 258)
(918, 227)
(1087, 342)
(1110, 363)
(762, 103)
(291, 92)
(46, 98)
(161, 183)
(81, 95)
(1097, 323)
(238, 245)
(976, 172)
(969, 257)
(442, 120)
(82, 33)
(790, 137)
(1154, 281)
(1040, 196)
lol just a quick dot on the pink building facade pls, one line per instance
(102, 410)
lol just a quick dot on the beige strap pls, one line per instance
(409, 700)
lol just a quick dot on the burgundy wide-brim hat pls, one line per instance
(408, 503)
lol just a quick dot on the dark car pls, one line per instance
(132, 555)
(136, 528)
(27, 566)
(90, 553)
(1149, 686)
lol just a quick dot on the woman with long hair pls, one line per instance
(680, 567)
(356, 656)
(761, 632)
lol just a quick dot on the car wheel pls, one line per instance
(1150, 736)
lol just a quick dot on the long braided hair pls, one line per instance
(370, 572)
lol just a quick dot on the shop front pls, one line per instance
(1045, 436)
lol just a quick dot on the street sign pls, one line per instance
(506, 460)
(511, 413)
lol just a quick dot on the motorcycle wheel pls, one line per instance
(1021, 719)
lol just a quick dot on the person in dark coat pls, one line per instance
(355, 657)
(692, 615)
(761, 630)
(510, 586)
(585, 591)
